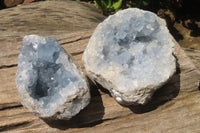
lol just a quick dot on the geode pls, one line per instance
(50, 82)
(131, 54)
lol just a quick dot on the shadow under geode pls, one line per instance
(162, 95)
(88, 117)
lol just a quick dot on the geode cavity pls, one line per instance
(49, 81)
(131, 54)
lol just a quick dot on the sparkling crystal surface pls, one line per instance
(49, 81)
(131, 54)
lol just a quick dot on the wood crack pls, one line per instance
(13, 126)
(10, 107)
(8, 66)
(76, 53)
(73, 41)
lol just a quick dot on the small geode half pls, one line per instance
(50, 82)
(131, 54)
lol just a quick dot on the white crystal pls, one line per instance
(49, 81)
(131, 55)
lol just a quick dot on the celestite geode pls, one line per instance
(131, 54)
(49, 81)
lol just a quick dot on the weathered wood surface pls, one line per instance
(46, 18)
(175, 108)
(194, 56)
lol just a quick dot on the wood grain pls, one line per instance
(173, 108)
(194, 56)
(45, 18)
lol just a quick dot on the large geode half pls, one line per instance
(49, 81)
(131, 54)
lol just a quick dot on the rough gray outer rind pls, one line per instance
(72, 104)
(92, 57)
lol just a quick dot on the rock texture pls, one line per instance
(131, 55)
(49, 81)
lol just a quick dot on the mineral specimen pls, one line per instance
(49, 81)
(131, 55)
